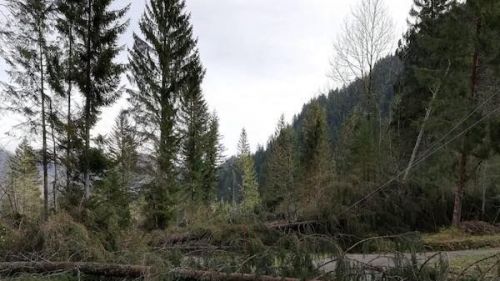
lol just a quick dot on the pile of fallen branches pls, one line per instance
(479, 228)
(205, 237)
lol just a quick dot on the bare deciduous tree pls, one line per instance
(365, 38)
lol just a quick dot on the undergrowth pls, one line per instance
(227, 243)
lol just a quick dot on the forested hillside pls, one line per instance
(401, 158)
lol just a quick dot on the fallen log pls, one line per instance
(292, 226)
(128, 271)
(90, 268)
(200, 275)
(285, 226)
(184, 238)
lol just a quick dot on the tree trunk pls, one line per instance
(200, 275)
(459, 191)
(54, 155)
(462, 165)
(44, 134)
(86, 172)
(475, 60)
(422, 128)
(100, 269)
(128, 271)
(419, 138)
(69, 126)
(483, 191)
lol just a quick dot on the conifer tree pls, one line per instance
(163, 61)
(446, 39)
(194, 117)
(111, 201)
(316, 161)
(22, 195)
(249, 186)
(123, 145)
(280, 179)
(212, 159)
(98, 75)
(26, 57)
(62, 75)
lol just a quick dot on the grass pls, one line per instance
(479, 265)
(453, 239)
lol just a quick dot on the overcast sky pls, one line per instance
(263, 58)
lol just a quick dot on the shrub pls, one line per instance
(65, 239)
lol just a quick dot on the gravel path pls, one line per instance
(387, 260)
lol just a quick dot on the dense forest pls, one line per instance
(409, 143)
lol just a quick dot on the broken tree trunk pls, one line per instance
(90, 268)
(428, 112)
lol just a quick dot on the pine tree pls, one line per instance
(112, 198)
(444, 48)
(316, 161)
(22, 196)
(123, 150)
(98, 76)
(212, 160)
(249, 186)
(163, 61)
(194, 118)
(26, 56)
(280, 169)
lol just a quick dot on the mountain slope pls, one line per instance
(339, 105)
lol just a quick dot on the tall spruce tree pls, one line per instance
(316, 161)
(280, 169)
(111, 201)
(123, 145)
(194, 117)
(98, 75)
(211, 160)
(163, 62)
(30, 28)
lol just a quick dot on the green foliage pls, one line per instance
(194, 129)
(249, 186)
(212, 160)
(22, 195)
(68, 240)
(109, 210)
(278, 191)
(316, 160)
(162, 80)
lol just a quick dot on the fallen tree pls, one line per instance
(90, 268)
(201, 275)
(127, 271)
(300, 226)
(283, 226)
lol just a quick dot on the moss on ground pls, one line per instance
(453, 239)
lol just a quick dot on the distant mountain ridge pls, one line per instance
(339, 105)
